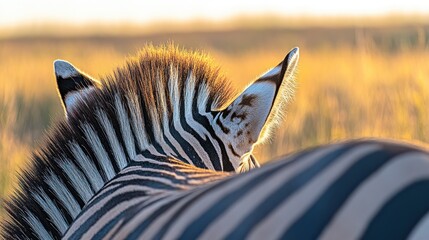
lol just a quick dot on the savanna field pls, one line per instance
(366, 81)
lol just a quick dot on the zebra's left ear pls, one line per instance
(248, 119)
(73, 84)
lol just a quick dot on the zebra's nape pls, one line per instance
(163, 104)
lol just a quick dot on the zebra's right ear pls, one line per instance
(73, 84)
(249, 118)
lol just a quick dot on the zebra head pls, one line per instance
(176, 104)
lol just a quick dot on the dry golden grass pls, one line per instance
(348, 86)
(348, 93)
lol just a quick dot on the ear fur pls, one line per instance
(248, 162)
(248, 119)
(73, 84)
(285, 80)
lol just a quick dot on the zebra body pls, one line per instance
(368, 189)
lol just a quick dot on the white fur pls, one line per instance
(189, 100)
(64, 69)
(87, 166)
(72, 99)
(285, 93)
(117, 150)
(174, 95)
(164, 123)
(77, 179)
(256, 116)
(137, 122)
(153, 114)
(38, 227)
(173, 141)
(203, 96)
(293, 56)
(51, 209)
(125, 127)
(100, 153)
(63, 194)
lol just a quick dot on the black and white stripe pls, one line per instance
(138, 158)
(166, 104)
(368, 189)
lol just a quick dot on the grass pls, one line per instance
(352, 82)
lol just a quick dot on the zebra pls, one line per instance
(367, 188)
(359, 189)
(166, 103)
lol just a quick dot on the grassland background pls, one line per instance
(366, 81)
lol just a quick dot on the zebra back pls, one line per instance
(362, 189)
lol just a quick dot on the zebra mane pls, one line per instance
(135, 103)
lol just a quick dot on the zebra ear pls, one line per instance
(72, 84)
(250, 116)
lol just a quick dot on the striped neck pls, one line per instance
(69, 172)
(168, 117)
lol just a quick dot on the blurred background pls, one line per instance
(363, 71)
